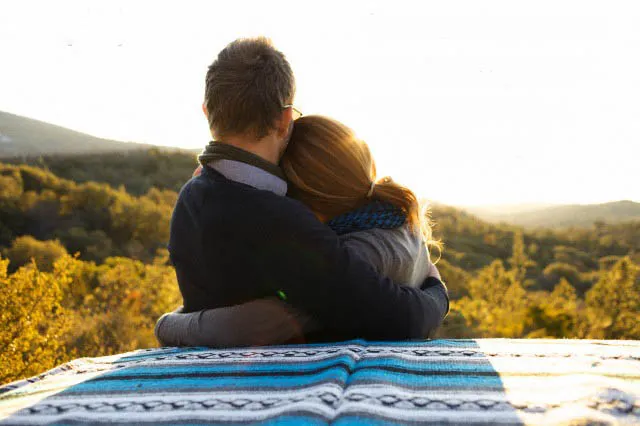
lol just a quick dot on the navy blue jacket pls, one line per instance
(231, 243)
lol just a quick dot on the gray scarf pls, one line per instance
(221, 151)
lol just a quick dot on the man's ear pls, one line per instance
(283, 123)
(204, 110)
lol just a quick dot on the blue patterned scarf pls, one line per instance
(376, 214)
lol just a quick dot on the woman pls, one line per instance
(331, 171)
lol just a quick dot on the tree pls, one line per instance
(126, 299)
(11, 184)
(45, 253)
(557, 271)
(519, 260)
(456, 279)
(455, 325)
(614, 303)
(554, 314)
(34, 322)
(497, 303)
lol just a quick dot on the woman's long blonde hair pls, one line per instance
(332, 171)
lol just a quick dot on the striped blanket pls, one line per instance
(356, 382)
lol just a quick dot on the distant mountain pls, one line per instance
(498, 209)
(26, 137)
(563, 216)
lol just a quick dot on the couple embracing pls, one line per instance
(285, 234)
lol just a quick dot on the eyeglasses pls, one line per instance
(295, 112)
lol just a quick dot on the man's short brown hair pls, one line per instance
(247, 87)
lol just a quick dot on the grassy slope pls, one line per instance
(22, 136)
(569, 215)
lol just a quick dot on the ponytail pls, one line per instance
(418, 215)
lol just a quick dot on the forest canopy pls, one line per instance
(84, 269)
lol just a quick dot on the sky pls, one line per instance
(466, 102)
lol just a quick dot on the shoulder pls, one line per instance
(213, 193)
(401, 237)
(398, 253)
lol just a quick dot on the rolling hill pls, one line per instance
(141, 166)
(26, 137)
(562, 216)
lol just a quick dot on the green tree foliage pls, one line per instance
(26, 248)
(80, 309)
(90, 218)
(138, 171)
(614, 303)
(496, 305)
(557, 271)
(125, 300)
(519, 260)
(34, 322)
(503, 281)
(555, 314)
(457, 280)
(456, 326)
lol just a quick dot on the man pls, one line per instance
(235, 237)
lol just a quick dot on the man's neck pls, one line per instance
(264, 148)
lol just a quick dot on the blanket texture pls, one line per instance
(355, 382)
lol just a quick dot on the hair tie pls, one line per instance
(370, 193)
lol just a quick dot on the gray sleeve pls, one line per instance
(363, 245)
(438, 303)
(399, 254)
(260, 322)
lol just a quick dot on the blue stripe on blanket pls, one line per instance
(194, 383)
(336, 375)
(365, 421)
(294, 421)
(425, 381)
(473, 365)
